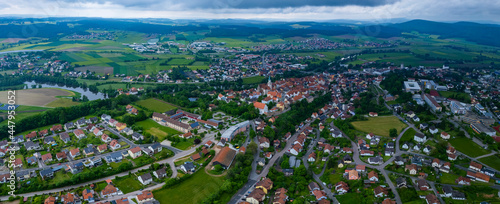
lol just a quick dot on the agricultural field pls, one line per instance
(466, 146)
(62, 102)
(38, 97)
(379, 125)
(192, 190)
(492, 161)
(253, 80)
(156, 105)
(153, 128)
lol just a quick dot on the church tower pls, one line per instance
(269, 83)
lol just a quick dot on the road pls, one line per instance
(257, 177)
(170, 161)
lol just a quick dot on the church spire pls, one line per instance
(269, 83)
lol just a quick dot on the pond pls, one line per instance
(91, 96)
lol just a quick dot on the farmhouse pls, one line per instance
(225, 157)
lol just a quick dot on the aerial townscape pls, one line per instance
(144, 104)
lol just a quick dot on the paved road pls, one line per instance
(257, 177)
(170, 161)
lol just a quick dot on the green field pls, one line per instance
(463, 97)
(184, 145)
(153, 128)
(192, 190)
(253, 80)
(492, 161)
(127, 184)
(408, 135)
(62, 102)
(468, 147)
(379, 125)
(155, 105)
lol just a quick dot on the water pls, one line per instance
(90, 95)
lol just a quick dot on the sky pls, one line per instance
(281, 10)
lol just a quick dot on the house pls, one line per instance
(136, 136)
(336, 134)
(264, 142)
(32, 160)
(313, 186)
(187, 135)
(431, 199)
(81, 122)
(411, 168)
(46, 158)
(69, 126)
(97, 132)
(46, 173)
(433, 130)
(457, 195)
(478, 176)
(452, 157)
(60, 156)
(263, 109)
(65, 137)
(451, 150)
(188, 167)
(256, 196)
(56, 128)
(70, 198)
(376, 160)
(31, 136)
(373, 114)
(105, 138)
(29, 145)
(88, 151)
(209, 144)
(366, 153)
(353, 175)
(43, 132)
(74, 153)
(405, 145)
(145, 179)
(113, 157)
(347, 159)
(296, 149)
(102, 148)
(135, 152)
(320, 195)
(127, 131)
(475, 166)
(311, 157)
(423, 185)
(18, 163)
(419, 137)
(114, 145)
(49, 140)
(145, 196)
(92, 120)
(398, 160)
(488, 171)
(380, 191)
(445, 167)
(224, 157)
(346, 150)
(373, 176)
(401, 182)
(265, 185)
(50, 200)
(463, 180)
(280, 196)
(360, 168)
(18, 139)
(445, 135)
(75, 167)
(388, 201)
(160, 173)
(88, 195)
(341, 187)
(109, 190)
(156, 148)
(427, 149)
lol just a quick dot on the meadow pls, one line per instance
(192, 190)
(468, 147)
(379, 125)
(156, 105)
(153, 128)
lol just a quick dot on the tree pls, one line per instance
(252, 147)
(269, 132)
(285, 164)
(393, 132)
(218, 168)
(252, 133)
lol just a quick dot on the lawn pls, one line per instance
(192, 190)
(153, 128)
(492, 161)
(253, 80)
(460, 96)
(184, 144)
(350, 198)
(408, 135)
(155, 105)
(468, 147)
(447, 178)
(379, 125)
(59, 176)
(127, 184)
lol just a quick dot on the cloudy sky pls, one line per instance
(293, 10)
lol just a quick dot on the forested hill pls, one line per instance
(485, 34)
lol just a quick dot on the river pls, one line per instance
(90, 95)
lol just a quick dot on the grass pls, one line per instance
(153, 128)
(468, 147)
(408, 135)
(463, 97)
(349, 198)
(253, 80)
(127, 184)
(184, 144)
(156, 105)
(492, 161)
(379, 125)
(447, 178)
(62, 102)
(59, 177)
(192, 190)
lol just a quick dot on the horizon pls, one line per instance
(384, 11)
